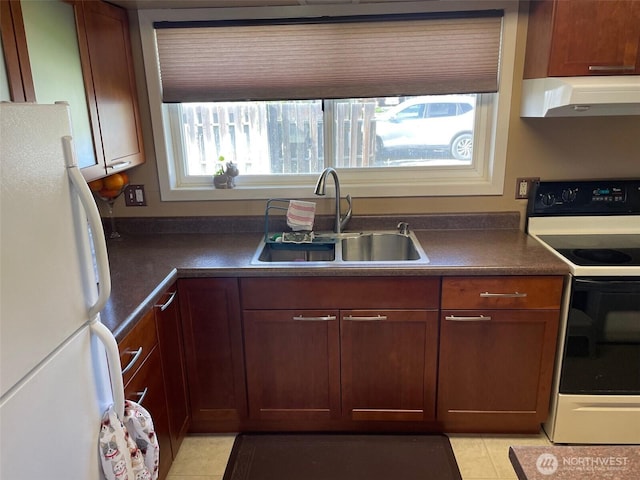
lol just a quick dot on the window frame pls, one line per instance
(484, 177)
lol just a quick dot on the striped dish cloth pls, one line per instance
(300, 215)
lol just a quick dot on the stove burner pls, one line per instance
(602, 255)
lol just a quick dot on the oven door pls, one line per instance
(602, 343)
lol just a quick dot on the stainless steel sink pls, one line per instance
(380, 247)
(291, 252)
(350, 248)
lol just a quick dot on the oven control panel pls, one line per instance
(586, 197)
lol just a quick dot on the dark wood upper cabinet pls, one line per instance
(105, 51)
(16, 55)
(583, 37)
(79, 52)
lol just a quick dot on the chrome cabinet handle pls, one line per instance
(611, 68)
(141, 395)
(324, 318)
(503, 295)
(365, 319)
(136, 355)
(477, 318)
(167, 303)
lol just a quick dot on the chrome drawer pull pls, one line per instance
(503, 295)
(611, 68)
(478, 318)
(136, 356)
(167, 303)
(141, 395)
(365, 319)
(325, 318)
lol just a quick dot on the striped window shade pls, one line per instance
(342, 57)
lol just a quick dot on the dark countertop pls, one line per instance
(616, 462)
(144, 265)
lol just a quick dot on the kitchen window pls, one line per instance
(410, 118)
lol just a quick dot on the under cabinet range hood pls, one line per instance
(581, 96)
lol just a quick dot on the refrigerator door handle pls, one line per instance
(93, 216)
(113, 361)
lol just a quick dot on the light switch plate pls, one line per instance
(134, 196)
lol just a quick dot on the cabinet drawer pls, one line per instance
(513, 292)
(337, 293)
(137, 345)
(146, 387)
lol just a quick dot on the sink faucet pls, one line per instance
(340, 222)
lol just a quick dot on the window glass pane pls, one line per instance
(262, 138)
(287, 137)
(405, 131)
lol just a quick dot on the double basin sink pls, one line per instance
(375, 247)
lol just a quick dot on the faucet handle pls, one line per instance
(403, 228)
(347, 216)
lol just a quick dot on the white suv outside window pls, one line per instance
(439, 124)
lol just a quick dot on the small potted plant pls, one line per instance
(224, 177)
(220, 178)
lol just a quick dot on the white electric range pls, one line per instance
(594, 226)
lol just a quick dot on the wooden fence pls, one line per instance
(273, 137)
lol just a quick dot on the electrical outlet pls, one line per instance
(134, 196)
(523, 186)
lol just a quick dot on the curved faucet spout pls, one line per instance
(340, 223)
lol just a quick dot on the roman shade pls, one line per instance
(329, 58)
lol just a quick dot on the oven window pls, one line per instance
(602, 344)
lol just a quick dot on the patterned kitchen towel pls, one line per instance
(125, 455)
(300, 215)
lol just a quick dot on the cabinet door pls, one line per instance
(595, 37)
(293, 365)
(105, 51)
(172, 352)
(15, 53)
(54, 55)
(495, 368)
(146, 387)
(210, 313)
(389, 363)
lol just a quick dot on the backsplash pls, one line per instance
(248, 224)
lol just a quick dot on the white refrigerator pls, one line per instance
(55, 355)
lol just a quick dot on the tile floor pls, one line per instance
(479, 457)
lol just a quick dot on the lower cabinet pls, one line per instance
(389, 362)
(497, 352)
(212, 329)
(465, 354)
(345, 352)
(293, 364)
(167, 315)
(142, 374)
